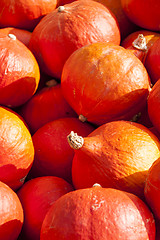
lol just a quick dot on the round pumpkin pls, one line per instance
(113, 85)
(11, 213)
(22, 35)
(46, 105)
(37, 196)
(152, 61)
(68, 28)
(98, 213)
(139, 42)
(154, 105)
(16, 149)
(24, 14)
(117, 154)
(152, 188)
(19, 71)
(53, 155)
(144, 13)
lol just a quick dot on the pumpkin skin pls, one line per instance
(11, 213)
(154, 105)
(113, 85)
(152, 189)
(22, 35)
(150, 38)
(37, 196)
(37, 111)
(117, 154)
(66, 29)
(24, 14)
(152, 61)
(144, 13)
(53, 155)
(16, 149)
(19, 72)
(98, 213)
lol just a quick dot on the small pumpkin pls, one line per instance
(98, 213)
(117, 154)
(114, 84)
(37, 196)
(68, 28)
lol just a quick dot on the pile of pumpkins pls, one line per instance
(79, 120)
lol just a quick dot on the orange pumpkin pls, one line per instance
(16, 149)
(68, 28)
(24, 14)
(37, 196)
(117, 154)
(144, 13)
(113, 85)
(11, 213)
(98, 213)
(19, 71)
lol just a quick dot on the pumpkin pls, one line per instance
(22, 35)
(117, 154)
(19, 71)
(154, 105)
(68, 28)
(11, 213)
(139, 42)
(16, 149)
(152, 189)
(24, 14)
(37, 196)
(46, 105)
(152, 61)
(53, 155)
(113, 85)
(144, 13)
(98, 213)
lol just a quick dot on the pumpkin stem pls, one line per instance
(51, 83)
(75, 141)
(96, 185)
(140, 43)
(61, 9)
(12, 36)
(82, 118)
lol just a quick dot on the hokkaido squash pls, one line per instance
(68, 28)
(98, 213)
(117, 154)
(113, 85)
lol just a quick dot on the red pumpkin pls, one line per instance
(144, 13)
(154, 105)
(117, 154)
(139, 42)
(68, 28)
(98, 213)
(11, 213)
(152, 188)
(16, 149)
(53, 155)
(19, 71)
(37, 196)
(152, 61)
(45, 106)
(24, 14)
(113, 85)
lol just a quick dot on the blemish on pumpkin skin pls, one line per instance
(74, 92)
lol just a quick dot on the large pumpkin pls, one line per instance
(98, 213)
(11, 213)
(117, 154)
(16, 149)
(68, 28)
(144, 13)
(104, 82)
(24, 14)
